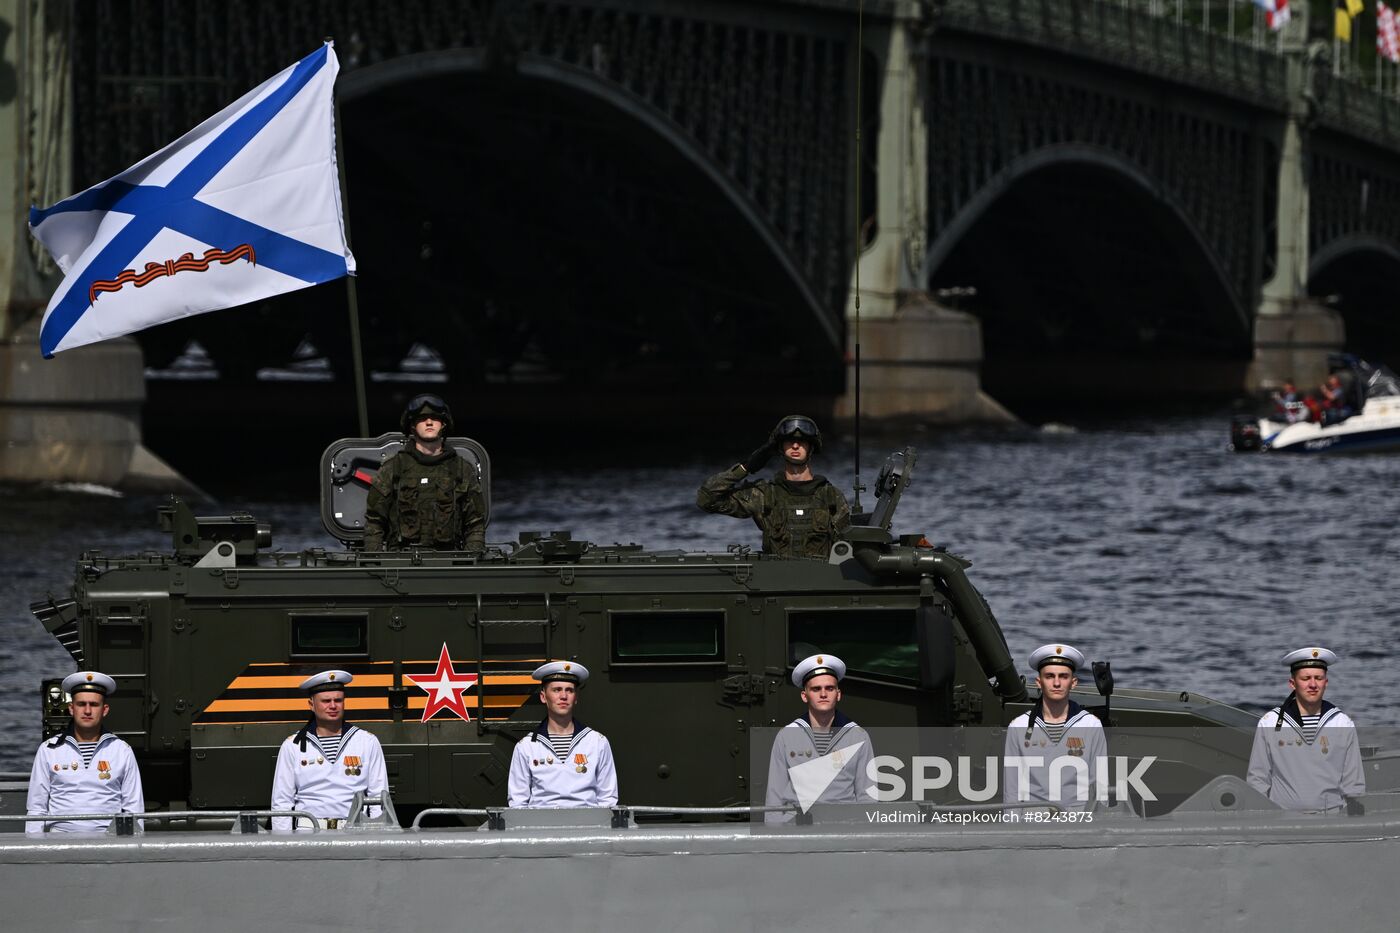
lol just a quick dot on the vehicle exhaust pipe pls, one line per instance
(981, 628)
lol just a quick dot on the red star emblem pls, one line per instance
(445, 688)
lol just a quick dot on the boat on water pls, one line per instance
(207, 640)
(1368, 421)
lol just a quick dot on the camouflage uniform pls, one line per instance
(423, 501)
(798, 519)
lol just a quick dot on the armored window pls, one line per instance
(876, 643)
(668, 637)
(330, 636)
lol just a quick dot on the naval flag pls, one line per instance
(242, 207)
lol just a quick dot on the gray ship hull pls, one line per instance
(1203, 872)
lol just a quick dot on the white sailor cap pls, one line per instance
(89, 682)
(808, 668)
(326, 680)
(1310, 657)
(1057, 654)
(570, 672)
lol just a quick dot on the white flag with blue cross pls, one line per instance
(242, 207)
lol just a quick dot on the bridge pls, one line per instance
(639, 200)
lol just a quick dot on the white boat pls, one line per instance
(1374, 396)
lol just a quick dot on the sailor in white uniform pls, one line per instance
(821, 756)
(85, 768)
(563, 763)
(1053, 752)
(1305, 754)
(320, 768)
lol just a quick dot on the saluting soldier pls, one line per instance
(85, 768)
(426, 495)
(821, 741)
(799, 513)
(320, 768)
(1052, 752)
(563, 763)
(1305, 754)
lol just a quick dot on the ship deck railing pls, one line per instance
(124, 823)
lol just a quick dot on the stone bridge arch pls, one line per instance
(1358, 275)
(1088, 275)
(593, 234)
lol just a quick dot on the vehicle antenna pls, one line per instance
(860, 47)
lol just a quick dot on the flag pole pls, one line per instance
(352, 296)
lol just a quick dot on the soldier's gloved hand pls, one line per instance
(759, 458)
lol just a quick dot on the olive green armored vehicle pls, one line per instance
(690, 651)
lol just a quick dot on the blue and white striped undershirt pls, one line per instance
(1310, 725)
(87, 750)
(561, 743)
(1056, 730)
(330, 745)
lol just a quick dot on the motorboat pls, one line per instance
(1367, 419)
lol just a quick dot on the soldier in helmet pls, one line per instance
(425, 495)
(800, 514)
(85, 768)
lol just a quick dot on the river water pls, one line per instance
(1142, 542)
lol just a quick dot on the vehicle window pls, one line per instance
(675, 637)
(877, 643)
(322, 636)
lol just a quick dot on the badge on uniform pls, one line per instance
(352, 765)
(104, 770)
(1076, 746)
(581, 763)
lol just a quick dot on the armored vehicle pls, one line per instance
(209, 641)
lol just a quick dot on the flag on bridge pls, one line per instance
(242, 207)
(1347, 10)
(1387, 38)
(1276, 12)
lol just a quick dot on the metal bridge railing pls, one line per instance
(1129, 35)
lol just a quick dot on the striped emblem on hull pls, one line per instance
(271, 692)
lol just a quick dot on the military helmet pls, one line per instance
(426, 404)
(799, 426)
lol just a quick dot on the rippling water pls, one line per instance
(1144, 543)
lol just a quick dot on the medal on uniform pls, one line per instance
(549, 760)
(352, 765)
(320, 760)
(104, 770)
(1322, 740)
(75, 766)
(581, 763)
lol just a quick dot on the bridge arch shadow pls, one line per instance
(1091, 283)
(533, 221)
(1357, 275)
